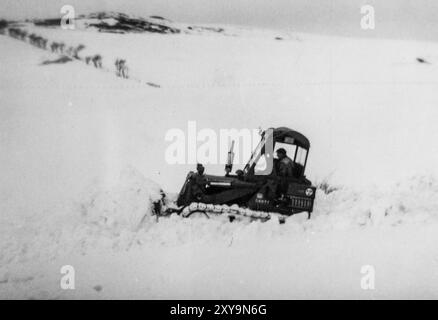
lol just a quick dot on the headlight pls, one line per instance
(309, 192)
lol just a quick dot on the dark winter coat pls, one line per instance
(285, 167)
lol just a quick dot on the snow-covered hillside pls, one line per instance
(366, 105)
(83, 157)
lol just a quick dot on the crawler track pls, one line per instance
(233, 212)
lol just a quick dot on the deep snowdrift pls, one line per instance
(111, 237)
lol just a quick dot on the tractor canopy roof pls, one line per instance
(286, 135)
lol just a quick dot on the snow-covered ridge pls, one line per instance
(121, 23)
(117, 22)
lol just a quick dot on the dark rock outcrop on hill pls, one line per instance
(56, 22)
(3, 24)
(122, 23)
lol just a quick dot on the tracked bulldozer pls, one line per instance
(261, 190)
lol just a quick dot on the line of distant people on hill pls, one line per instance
(60, 48)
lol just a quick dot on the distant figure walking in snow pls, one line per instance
(97, 61)
(54, 47)
(117, 64)
(121, 68)
(61, 47)
(76, 51)
(43, 43)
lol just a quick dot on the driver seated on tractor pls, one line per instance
(285, 164)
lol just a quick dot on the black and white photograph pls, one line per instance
(218, 150)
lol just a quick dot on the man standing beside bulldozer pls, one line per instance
(195, 184)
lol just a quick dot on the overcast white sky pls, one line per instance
(416, 19)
